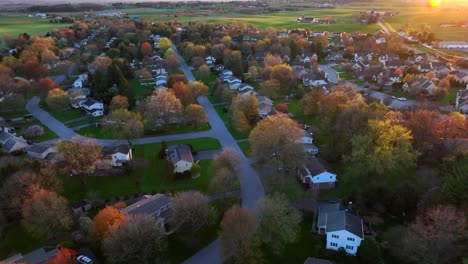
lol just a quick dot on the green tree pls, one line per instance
(125, 124)
(369, 251)
(279, 223)
(454, 178)
(233, 61)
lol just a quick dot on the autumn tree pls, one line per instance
(34, 69)
(125, 124)
(422, 124)
(163, 109)
(198, 88)
(57, 99)
(204, 72)
(238, 243)
(383, 148)
(279, 223)
(137, 240)
(164, 45)
(44, 86)
(64, 256)
(46, 214)
(195, 115)
(20, 186)
(283, 74)
(146, 49)
(434, 237)
(269, 88)
(224, 182)
(102, 63)
(78, 157)
(233, 61)
(48, 57)
(183, 93)
(244, 111)
(177, 77)
(172, 62)
(274, 139)
(228, 159)
(191, 212)
(119, 102)
(104, 223)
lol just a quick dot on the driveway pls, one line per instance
(332, 75)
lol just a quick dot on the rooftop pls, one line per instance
(148, 205)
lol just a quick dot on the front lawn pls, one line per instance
(14, 114)
(21, 126)
(346, 76)
(150, 172)
(450, 96)
(292, 188)
(245, 147)
(139, 90)
(63, 115)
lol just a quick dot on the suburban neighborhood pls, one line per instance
(126, 139)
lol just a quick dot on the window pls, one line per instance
(349, 247)
(350, 239)
(335, 236)
(333, 244)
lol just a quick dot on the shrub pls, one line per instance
(34, 131)
(195, 170)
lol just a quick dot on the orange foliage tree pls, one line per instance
(105, 222)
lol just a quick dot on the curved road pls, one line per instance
(251, 186)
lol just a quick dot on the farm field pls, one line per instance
(14, 24)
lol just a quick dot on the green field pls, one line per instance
(15, 23)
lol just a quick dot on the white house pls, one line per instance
(210, 60)
(37, 151)
(309, 146)
(225, 74)
(118, 155)
(181, 157)
(93, 107)
(5, 127)
(158, 206)
(15, 144)
(244, 88)
(314, 175)
(342, 228)
(233, 82)
(78, 96)
(419, 85)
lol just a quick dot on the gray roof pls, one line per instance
(36, 148)
(326, 207)
(73, 90)
(148, 205)
(344, 220)
(11, 143)
(317, 261)
(179, 152)
(5, 136)
(91, 101)
(314, 166)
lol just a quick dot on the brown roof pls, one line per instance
(315, 166)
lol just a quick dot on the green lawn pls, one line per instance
(21, 126)
(450, 97)
(245, 147)
(63, 115)
(346, 76)
(14, 238)
(138, 89)
(292, 188)
(151, 171)
(107, 133)
(14, 114)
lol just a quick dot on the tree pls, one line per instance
(238, 243)
(369, 251)
(283, 74)
(78, 157)
(233, 61)
(102, 63)
(164, 45)
(229, 159)
(454, 178)
(105, 222)
(34, 69)
(163, 109)
(382, 149)
(224, 182)
(34, 131)
(119, 102)
(177, 77)
(191, 212)
(48, 57)
(422, 124)
(20, 186)
(269, 88)
(204, 72)
(125, 124)
(44, 85)
(64, 256)
(198, 88)
(183, 93)
(279, 223)
(57, 99)
(146, 49)
(433, 238)
(46, 214)
(195, 115)
(274, 139)
(138, 240)
(172, 62)
(244, 111)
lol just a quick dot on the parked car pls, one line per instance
(402, 99)
(84, 259)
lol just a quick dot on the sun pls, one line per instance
(434, 3)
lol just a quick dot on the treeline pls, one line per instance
(67, 8)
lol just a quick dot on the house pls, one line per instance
(283, 34)
(5, 127)
(314, 79)
(181, 157)
(38, 256)
(387, 78)
(80, 207)
(362, 57)
(317, 261)
(118, 155)
(78, 83)
(419, 86)
(160, 81)
(461, 101)
(265, 106)
(334, 57)
(93, 107)
(381, 41)
(78, 96)
(244, 88)
(393, 64)
(314, 175)
(219, 68)
(425, 67)
(453, 45)
(233, 82)
(158, 206)
(41, 152)
(360, 66)
(307, 140)
(259, 55)
(4, 137)
(342, 228)
(15, 144)
(304, 19)
(225, 74)
(210, 61)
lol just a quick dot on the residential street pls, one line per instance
(251, 186)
